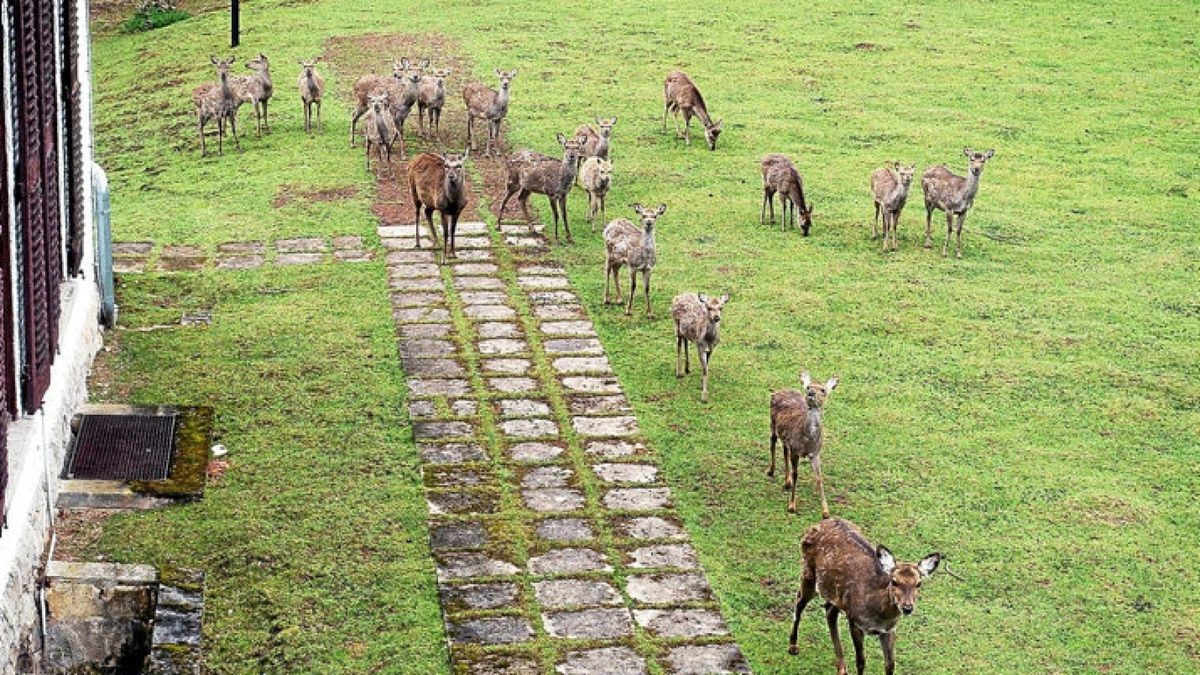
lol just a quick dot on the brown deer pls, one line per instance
(796, 419)
(368, 84)
(953, 195)
(890, 187)
(379, 130)
(438, 183)
(595, 177)
(257, 89)
(862, 581)
(628, 244)
(596, 139)
(404, 97)
(312, 89)
(697, 317)
(530, 172)
(780, 176)
(489, 106)
(681, 96)
(217, 101)
(431, 97)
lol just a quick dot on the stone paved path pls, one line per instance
(132, 257)
(555, 540)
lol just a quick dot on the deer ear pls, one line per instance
(212, 57)
(513, 73)
(317, 60)
(989, 153)
(613, 122)
(703, 298)
(805, 379)
(724, 298)
(929, 563)
(425, 63)
(966, 152)
(887, 562)
(636, 207)
(662, 208)
(831, 384)
(562, 140)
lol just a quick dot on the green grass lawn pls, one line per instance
(1032, 411)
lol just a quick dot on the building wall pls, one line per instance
(39, 442)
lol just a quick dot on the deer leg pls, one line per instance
(687, 359)
(632, 291)
(666, 109)
(429, 222)
(687, 129)
(675, 119)
(233, 130)
(793, 479)
(704, 355)
(646, 292)
(566, 220)
(607, 278)
(503, 203)
(896, 231)
(808, 590)
(949, 232)
(771, 468)
(762, 212)
(958, 234)
(815, 461)
(200, 131)
(470, 125)
(831, 618)
(603, 210)
(417, 210)
(220, 135)
(875, 222)
(523, 199)
(678, 352)
(266, 123)
(554, 210)
(928, 225)
(320, 123)
(888, 642)
(856, 636)
(617, 283)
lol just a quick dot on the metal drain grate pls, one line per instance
(123, 447)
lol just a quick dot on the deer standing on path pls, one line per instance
(439, 183)
(595, 177)
(431, 97)
(596, 140)
(890, 189)
(796, 419)
(530, 172)
(697, 317)
(312, 88)
(681, 96)
(780, 176)
(627, 244)
(953, 195)
(217, 101)
(257, 89)
(489, 106)
(862, 581)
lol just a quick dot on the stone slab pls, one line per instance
(490, 312)
(457, 477)
(494, 630)
(543, 282)
(242, 247)
(569, 561)
(569, 328)
(573, 346)
(487, 331)
(522, 407)
(637, 499)
(300, 245)
(483, 297)
(593, 624)
(547, 477)
(478, 283)
(605, 427)
(529, 428)
(553, 298)
(650, 528)
(452, 453)
(565, 530)
(558, 312)
(553, 500)
(352, 256)
(513, 385)
(299, 258)
(598, 405)
(348, 242)
(473, 501)
(417, 299)
(419, 348)
(664, 589)
(505, 366)
(490, 596)
(502, 346)
(421, 315)
(582, 384)
(467, 269)
(239, 262)
(577, 365)
(433, 368)
(440, 387)
(467, 564)
(561, 593)
(534, 452)
(614, 449)
(706, 659)
(670, 556)
(625, 473)
(132, 247)
(606, 660)
(457, 535)
(681, 623)
(431, 431)
(424, 330)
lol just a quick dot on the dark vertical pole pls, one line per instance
(233, 24)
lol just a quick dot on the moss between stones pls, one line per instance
(189, 466)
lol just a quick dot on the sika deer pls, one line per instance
(217, 101)
(626, 244)
(404, 96)
(780, 176)
(530, 172)
(681, 95)
(595, 143)
(952, 194)
(796, 420)
(432, 96)
(257, 90)
(367, 84)
(863, 581)
(379, 130)
(696, 320)
(488, 105)
(312, 88)
(890, 189)
(439, 183)
(595, 177)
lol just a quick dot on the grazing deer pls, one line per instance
(796, 420)
(257, 89)
(595, 142)
(530, 172)
(595, 177)
(368, 84)
(217, 101)
(438, 183)
(488, 105)
(953, 195)
(862, 581)
(681, 96)
(312, 88)
(379, 130)
(696, 320)
(432, 96)
(780, 176)
(627, 244)
(890, 189)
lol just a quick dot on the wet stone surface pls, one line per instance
(664, 589)
(607, 660)
(534, 452)
(463, 597)
(680, 623)
(564, 530)
(552, 500)
(706, 659)
(677, 556)
(560, 593)
(458, 535)
(569, 561)
(589, 623)
(492, 630)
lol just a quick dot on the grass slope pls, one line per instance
(1032, 410)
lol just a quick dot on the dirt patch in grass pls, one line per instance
(289, 193)
(77, 530)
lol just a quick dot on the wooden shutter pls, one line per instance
(76, 172)
(7, 393)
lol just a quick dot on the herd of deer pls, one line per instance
(852, 576)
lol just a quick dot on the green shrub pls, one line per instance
(151, 17)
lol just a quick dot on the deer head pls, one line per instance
(604, 170)
(570, 146)
(649, 216)
(506, 78)
(906, 173)
(455, 167)
(258, 64)
(904, 579)
(606, 126)
(415, 71)
(713, 306)
(976, 160)
(378, 102)
(441, 74)
(806, 213)
(308, 66)
(222, 66)
(815, 393)
(711, 132)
